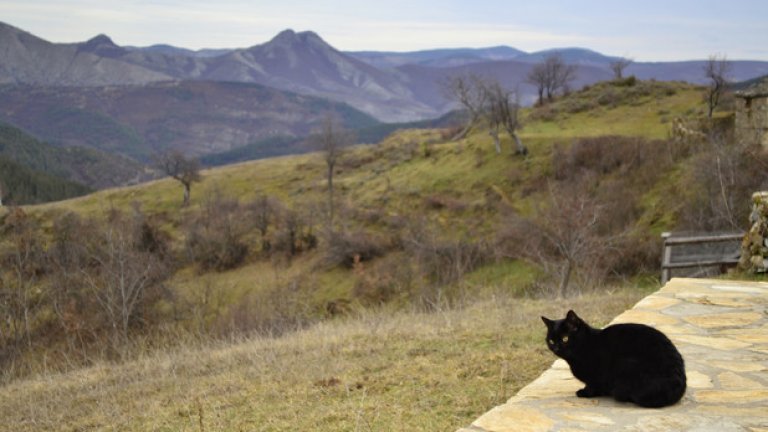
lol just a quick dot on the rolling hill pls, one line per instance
(82, 165)
(197, 117)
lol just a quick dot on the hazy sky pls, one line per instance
(645, 30)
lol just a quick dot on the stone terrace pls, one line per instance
(720, 328)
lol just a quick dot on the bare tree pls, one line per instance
(121, 277)
(539, 78)
(550, 76)
(561, 236)
(562, 74)
(182, 169)
(331, 139)
(618, 66)
(468, 91)
(716, 70)
(264, 210)
(24, 258)
(502, 112)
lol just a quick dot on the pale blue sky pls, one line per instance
(646, 30)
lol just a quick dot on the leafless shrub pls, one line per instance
(586, 225)
(440, 261)
(23, 256)
(448, 133)
(274, 311)
(577, 105)
(545, 113)
(264, 212)
(718, 184)
(214, 237)
(629, 81)
(348, 248)
(123, 280)
(617, 67)
(295, 234)
(638, 158)
(609, 97)
(356, 159)
(561, 236)
(385, 280)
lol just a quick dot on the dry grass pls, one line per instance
(377, 371)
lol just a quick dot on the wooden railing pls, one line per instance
(731, 258)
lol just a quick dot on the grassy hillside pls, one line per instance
(416, 309)
(455, 189)
(451, 190)
(423, 160)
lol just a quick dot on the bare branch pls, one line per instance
(550, 76)
(618, 67)
(331, 139)
(468, 91)
(716, 70)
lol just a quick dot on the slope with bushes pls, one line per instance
(421, 223)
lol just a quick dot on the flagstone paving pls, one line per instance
(720, 328)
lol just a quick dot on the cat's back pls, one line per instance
(640, 340)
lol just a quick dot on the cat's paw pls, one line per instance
(586, 392)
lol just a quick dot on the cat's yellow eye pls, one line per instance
(565, 339)
(551, 341)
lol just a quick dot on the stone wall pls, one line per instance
(754, 247)
(752, 114)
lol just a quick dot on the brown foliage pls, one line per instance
(214, 237)
(279, 309)
(718, 183)
(385, 280)
(348, 248)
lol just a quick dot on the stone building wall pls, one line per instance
(752, 114)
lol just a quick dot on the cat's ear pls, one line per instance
(547, 321)
(572, 320)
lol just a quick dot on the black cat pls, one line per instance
(631, 362)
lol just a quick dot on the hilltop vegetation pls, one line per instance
(21, 185)
(422, 224)
(81, 165)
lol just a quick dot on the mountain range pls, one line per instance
(137, 101)
(390, 86)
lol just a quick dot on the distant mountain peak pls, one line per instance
(289, 37)
(285, 34)
(102, 45)
(100, 39)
